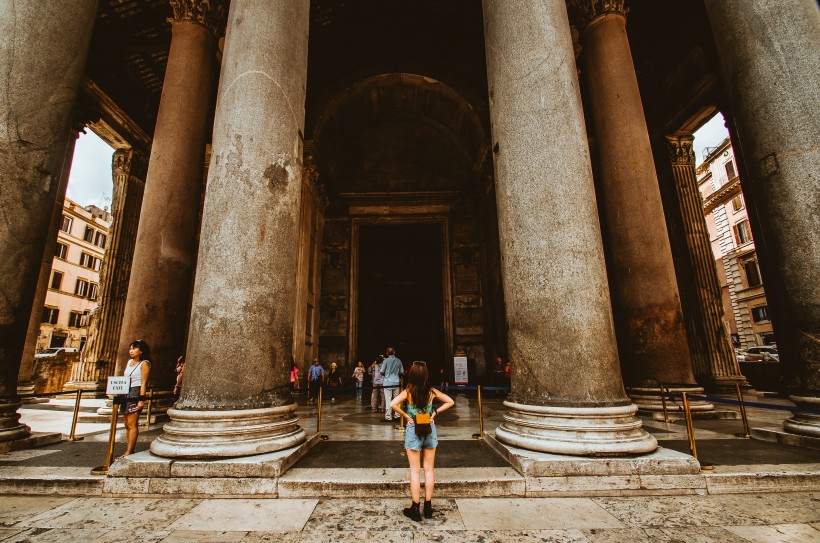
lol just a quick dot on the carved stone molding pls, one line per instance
(681, 151)
(208, 13)
(586, 11)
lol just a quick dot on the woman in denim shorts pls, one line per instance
(418, 447)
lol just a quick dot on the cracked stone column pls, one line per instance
(98, 358)
(648, 317)
(567, 395)
(770, 60)
(715, 362)
(162, 273)
(236, 399)
(43, 47)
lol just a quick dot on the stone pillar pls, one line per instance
(567, 395)
(770, 64)
(236, 399)
(24, 382)
(99, 355)
(648, 317)
(42, 57)
(162, 273)
(714, 358)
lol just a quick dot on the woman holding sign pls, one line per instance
(138, 369)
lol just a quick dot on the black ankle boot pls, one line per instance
(412, 512)
(428, 508)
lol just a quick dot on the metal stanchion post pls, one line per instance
(319, 415)
(690, 429)
(480, 433)
(72, 435)
(112, 436)
(746, 432)
(150, 403)
(663, 403)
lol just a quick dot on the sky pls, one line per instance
(710, 134)
(90, 181)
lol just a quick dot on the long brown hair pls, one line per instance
(418, 384)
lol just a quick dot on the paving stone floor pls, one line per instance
(761, 518)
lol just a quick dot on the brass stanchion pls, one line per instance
(112, 436)
(319, 416)
(150, 403)
(480, 433)
(690, 429)
(746, 432)
(72, 435)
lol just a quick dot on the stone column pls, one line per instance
(648, 317)
(42, 57)
(567, 394)
(99, 355)
(770, 59)
(715, 361)
(236, 399)
(162, 273)
(24, 382)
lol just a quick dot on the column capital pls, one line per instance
(681, 150)
(587, 11)
(208, 13)
(126, 161)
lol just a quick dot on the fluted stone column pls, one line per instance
(99, 355)
(567, 395)
(770, 60)
(24, 382)
(42, 57)
(648, 317)
(714, 358)
(162, 273)
(236, 400)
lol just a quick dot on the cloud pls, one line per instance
(90, 180)
(710, 134)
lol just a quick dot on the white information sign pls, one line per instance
(460, 370)
(118, 385)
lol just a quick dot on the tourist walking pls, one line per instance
(180, 371)
(294, 375)
(391, 371)
(333, 380)
(139, 370)
(377, 396)
(316, 376)
(420, 441)
(358, 380)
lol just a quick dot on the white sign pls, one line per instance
(460, 369)
(118, 385)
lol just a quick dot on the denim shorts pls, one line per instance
(417, 443)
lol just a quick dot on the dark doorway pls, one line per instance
(400, 294)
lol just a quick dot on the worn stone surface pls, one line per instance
(771, 76)
(40, 75)
(162, 273)
(560, 327)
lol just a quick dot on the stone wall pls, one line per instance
(49, 374)
(334, 314)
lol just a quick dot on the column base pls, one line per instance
(96, 386)
(725, 383)
(649, 399)
(10, 427)
(231, 433)
(582, 431)
(804, 424)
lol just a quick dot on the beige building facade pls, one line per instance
(498, 178)
(73, 285)
(743, 294)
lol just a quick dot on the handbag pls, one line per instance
(422, 425)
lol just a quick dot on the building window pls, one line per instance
(61, 251)
(89, 261)
(737, 203)
(730, 170)
(65, 226)
(760, 313)
(93, 291)
(752, 273)
(100, 240)
(75, 319)
(89, 234)
(56, 280)
(81, 288)
(50, 315)
(742, 232)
